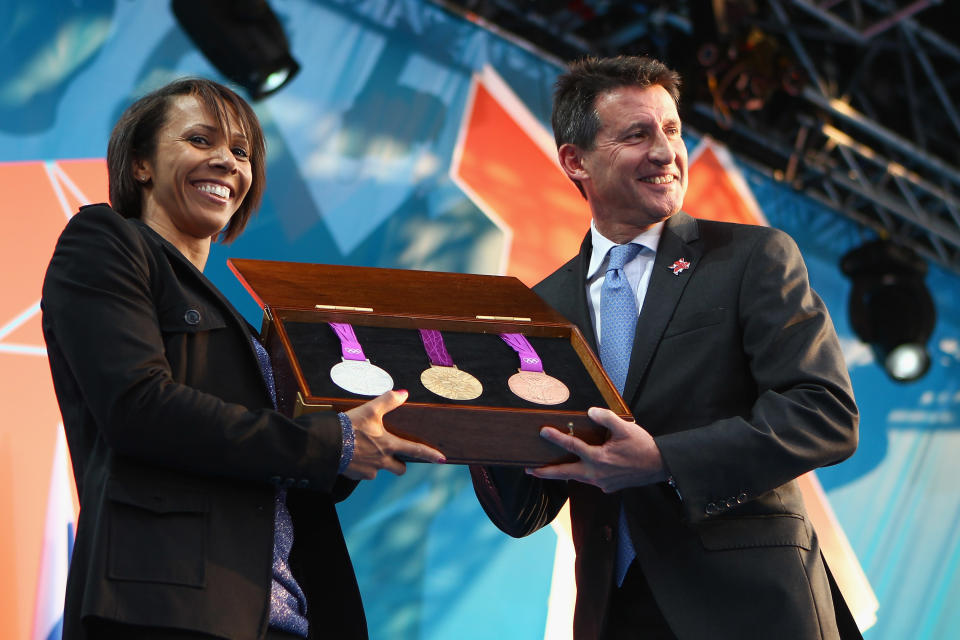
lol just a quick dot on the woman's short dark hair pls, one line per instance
(135, 137)
(575, 119)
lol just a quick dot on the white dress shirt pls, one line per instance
(638, 270)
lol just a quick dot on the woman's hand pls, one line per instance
(375, 448)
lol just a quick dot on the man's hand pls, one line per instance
(630, 458)
(375, 448)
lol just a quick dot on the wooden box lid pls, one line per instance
(386, 306)
(392, 292)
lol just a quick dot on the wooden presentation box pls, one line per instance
(386, 307)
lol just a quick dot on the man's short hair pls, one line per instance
(575, 119)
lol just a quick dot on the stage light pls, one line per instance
(907, 362)
(890, 307)
(241, 38)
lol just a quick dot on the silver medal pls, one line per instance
(361, 377)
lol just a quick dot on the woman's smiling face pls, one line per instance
(198, 175)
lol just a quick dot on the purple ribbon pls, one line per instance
(349, 345)
(529, 360)
(436, 350)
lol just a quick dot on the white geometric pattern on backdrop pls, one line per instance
(59, 180)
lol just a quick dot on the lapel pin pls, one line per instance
(678, 266)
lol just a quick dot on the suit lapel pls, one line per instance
(567, 293)
(678, 242)
(581, 310)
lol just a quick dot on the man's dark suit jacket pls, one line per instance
(176, 450)
(737, 372)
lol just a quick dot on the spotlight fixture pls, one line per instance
(241, 38)
(890, 307)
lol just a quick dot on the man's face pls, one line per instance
(636, 174)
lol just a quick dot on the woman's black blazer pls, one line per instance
(176, 450)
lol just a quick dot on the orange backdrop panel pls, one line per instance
(523, 187)
(31, 217)
(711, 193)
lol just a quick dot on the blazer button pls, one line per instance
(192, 317)
(607, 533)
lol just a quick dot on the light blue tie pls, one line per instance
(618, 323)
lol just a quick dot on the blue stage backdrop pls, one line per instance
(361, 146)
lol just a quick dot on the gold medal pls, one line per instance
(443, 378)
(451, 383)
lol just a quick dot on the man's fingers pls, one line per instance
(568, 471)
(568, 442)
(603, 417)
(606, 418)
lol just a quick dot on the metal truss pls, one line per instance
(898, 175)
(872, 130)
(853, 102)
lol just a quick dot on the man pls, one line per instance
(687, 523)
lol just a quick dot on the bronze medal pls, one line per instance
(538, 387)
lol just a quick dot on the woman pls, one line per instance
(204, 512)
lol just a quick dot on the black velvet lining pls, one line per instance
(484, 355)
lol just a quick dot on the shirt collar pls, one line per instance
(601, 245)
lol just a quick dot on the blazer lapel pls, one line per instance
(566, 291)
(581, 315)
(175, 255)
(245, 328)
(678, 246)
(212, 290)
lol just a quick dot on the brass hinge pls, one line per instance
(336, 307)
(506, 318)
